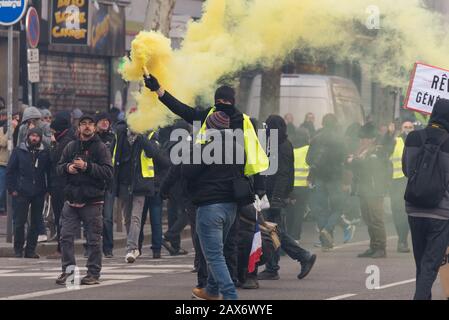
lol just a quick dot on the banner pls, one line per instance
(427, 85)
(70, 22)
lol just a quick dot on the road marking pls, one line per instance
(62, 290)
(395, 284)
(114, 277)
(344, 296)
(352, 244)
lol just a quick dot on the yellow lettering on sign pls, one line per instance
(58, 32)
(66, 3)
(100, 31)
(61, 17)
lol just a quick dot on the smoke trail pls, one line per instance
(234, 34)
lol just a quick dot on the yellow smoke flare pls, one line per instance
(234, 34)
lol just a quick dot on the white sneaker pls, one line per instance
(42, 238)
(132, 256)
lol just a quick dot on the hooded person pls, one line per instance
(32, 118)
(27, 177)
(279, 187)
(429, 227)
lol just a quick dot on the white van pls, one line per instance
(303, 93)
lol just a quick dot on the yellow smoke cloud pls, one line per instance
(234, 34)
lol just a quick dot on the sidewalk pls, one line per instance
(47, 248)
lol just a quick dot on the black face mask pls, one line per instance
(229, 109)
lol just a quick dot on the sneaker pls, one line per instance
(194, 270)
(201, 294)
(250, 283)
(132, 256)
(89, 280)
(307, 266)
(366, 254)
(55, 255)
(348, 233)
(156, 254)
(62, 279)
(326, 238)
(108, 255)
(31, 255)
(267, 275)
(380, 253)
(42, 238)
(403, 248)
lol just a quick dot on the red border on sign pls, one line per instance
(32, 11)
(412, 80)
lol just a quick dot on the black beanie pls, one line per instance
(225, 93)
(101, 116)
(61, 122)
(37, 131)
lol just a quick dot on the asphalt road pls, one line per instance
(337, 275)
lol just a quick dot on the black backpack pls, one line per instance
(426, 185)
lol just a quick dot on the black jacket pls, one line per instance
(127, 166)
(108, 138)
(62, 140)
(88, 186)
(212, 183)
(28, 173)
(327, 155)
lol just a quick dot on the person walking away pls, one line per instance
(279, 187)
(326, 158)
(86, 164)
(26, 177)
(429, 222)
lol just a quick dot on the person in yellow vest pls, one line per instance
(295, 212)
(135, 159)
(397, 189)
(256, 160)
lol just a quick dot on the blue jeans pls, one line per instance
(213, 223)
(154, 204)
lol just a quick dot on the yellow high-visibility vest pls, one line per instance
(301, 166)
(146, 163)
(256, 159)
(396, 158)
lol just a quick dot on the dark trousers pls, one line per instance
(398, 208)
(21, 205)
(154, 205)
(57, 204)
(288, 244)
(372, 208)
(295, 213)
(200, 261)
(430, 238)
(177, 221)
(108, 222)
(92, 218)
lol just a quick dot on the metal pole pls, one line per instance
(9, 110)
(30, 94)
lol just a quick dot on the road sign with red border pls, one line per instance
(33, 28)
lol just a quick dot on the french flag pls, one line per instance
(256, 249)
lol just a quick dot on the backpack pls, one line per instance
(426, 185)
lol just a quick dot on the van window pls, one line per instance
(347, 104)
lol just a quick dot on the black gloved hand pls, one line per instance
(151, 83)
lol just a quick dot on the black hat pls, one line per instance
(61, 121)
(225, 93)
(87, 116)
(101, 116)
